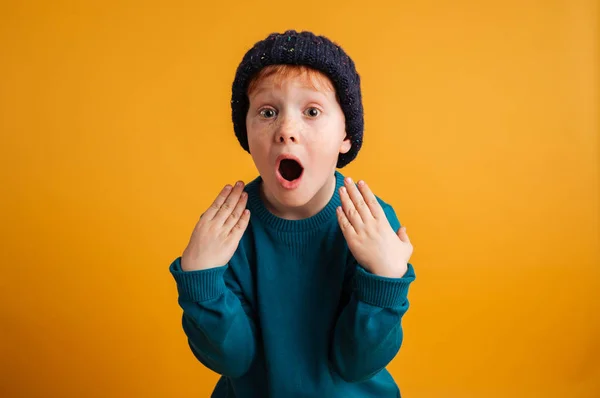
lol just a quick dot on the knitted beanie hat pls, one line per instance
(302, 48)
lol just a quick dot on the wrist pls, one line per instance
(189, 265)
(387, 271)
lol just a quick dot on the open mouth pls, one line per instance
(290, 169)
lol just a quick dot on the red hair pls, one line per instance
(311, 77)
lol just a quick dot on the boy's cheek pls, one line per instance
(258, 135)
(258, 124)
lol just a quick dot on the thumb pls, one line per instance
(403, 235)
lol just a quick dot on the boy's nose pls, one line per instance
(283, 138)
(287, 132)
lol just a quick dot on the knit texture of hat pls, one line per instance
(317, 52)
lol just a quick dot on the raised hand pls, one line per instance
(219, 230)
(372, 241)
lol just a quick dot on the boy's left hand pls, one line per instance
(371, 239)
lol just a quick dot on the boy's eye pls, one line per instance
(313, 112)
(267, 113)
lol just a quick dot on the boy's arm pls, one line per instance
(216, 319)
(368, 332)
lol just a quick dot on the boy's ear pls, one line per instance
(346, 145)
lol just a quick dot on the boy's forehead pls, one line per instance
(274, 81)
(314, 81)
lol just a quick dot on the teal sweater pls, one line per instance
(292, 314)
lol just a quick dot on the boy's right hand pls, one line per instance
(218, 232)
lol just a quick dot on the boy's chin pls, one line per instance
(291, 198)
(287, 200)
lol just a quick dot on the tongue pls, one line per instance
(290, 169)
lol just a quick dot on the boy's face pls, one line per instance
(289, 119)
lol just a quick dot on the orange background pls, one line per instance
(482, 129)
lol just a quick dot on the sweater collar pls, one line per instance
(259, 210)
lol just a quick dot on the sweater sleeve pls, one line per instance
(216, 319)
(368, 333)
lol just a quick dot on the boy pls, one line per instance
(304, 299)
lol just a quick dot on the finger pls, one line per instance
(371, 200)
(229, 204)
(236, 213)
(345, 224)
(403, 235)
(349, 209)
(238, 229)
(217, 203)
(357, 199)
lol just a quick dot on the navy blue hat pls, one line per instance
(302, 48)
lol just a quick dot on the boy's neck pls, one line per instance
(315, 205)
